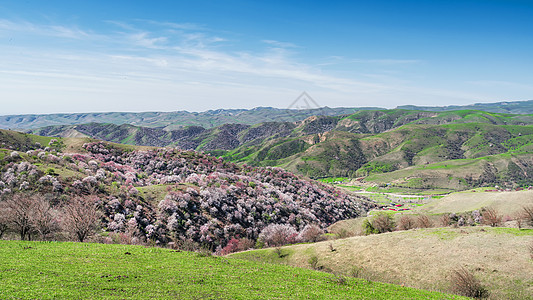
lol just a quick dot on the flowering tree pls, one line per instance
(275, 235)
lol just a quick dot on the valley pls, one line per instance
(266, 150)
(242, 192)
(449, 151)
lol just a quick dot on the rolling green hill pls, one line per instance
(452, 150)
(214, 118)
(53, 270)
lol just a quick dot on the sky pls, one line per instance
(98, 56)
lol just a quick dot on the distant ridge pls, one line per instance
(510, 107)
(174, 120)
(213, 118)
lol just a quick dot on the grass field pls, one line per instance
(55, 270)
(424, 258)
(506, 203)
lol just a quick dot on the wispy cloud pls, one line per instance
(144, 40)
(44, 30)
(172, 56)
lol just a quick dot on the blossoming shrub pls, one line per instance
(275, 235)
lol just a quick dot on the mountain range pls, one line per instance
(213, 118)
(408, 148)
(172, 120)
(510, 107)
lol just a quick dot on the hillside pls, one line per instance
(54, 270)
(163, 194)
(452, 150)
(510, 107)
(172, 120)
(385, 145)
(423, 258)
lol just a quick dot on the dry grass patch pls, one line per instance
(423, 258)
(508, 203)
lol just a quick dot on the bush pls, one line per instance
(423, 221)
(527, 214)
(381, 223)
(405, 223)
(313, 262)
(311, 233)
(368, 227)
(279, 252)
(384, 223)
(275, 235)
(236, 245)
(491, 217)
(464, 283)
(445, 220)
(343, 233)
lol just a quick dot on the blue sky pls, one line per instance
(95, 56)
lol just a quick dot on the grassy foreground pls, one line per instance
(46, 270)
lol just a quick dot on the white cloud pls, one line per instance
(43, 30)
(148, 65)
